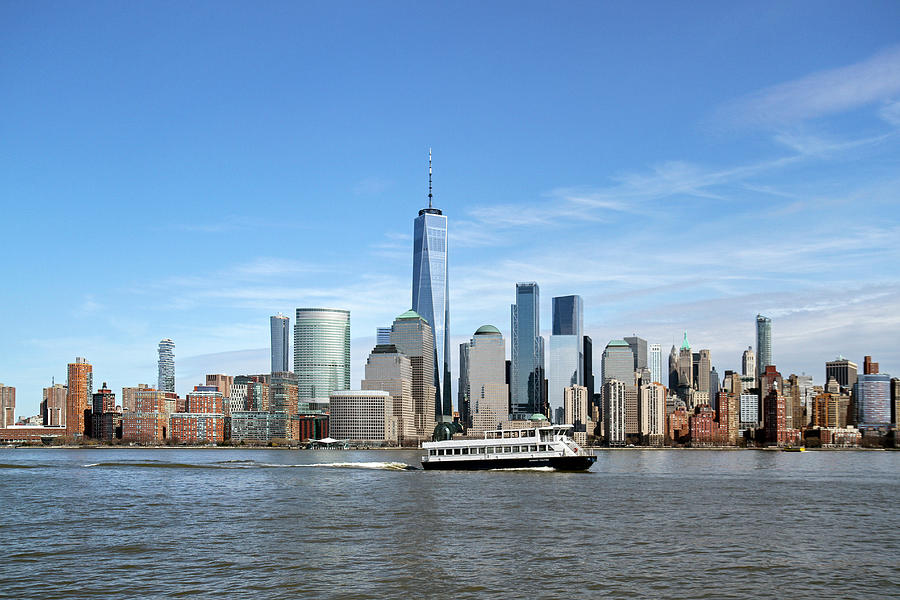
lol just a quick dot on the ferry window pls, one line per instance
(465, 450)
(543, 447)
(490, 450)
(479, 450)
(533, 447)
(507, 449)
(515, 449)
(456, 451)
(432, 452)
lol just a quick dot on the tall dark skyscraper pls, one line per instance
(763, 343)
(527, 352)
(567, 315)
(280, 326)
(639, 348)
(588, 347)
(431, 293)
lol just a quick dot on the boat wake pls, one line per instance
(530, 469)
(252, 464)
(381, 466)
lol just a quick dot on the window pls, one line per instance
(432, 452)
(479, 450)
(489, 449)
(515, 449)
(465, 450)
(456, 451)
(507, 449)
(543, 448)
(533, 448)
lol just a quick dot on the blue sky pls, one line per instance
(185, 170)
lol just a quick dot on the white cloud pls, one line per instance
(890, 112)
(872, 80)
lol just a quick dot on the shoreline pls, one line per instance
(396, 449)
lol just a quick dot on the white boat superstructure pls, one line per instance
(512, 448)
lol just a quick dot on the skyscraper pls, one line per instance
(321, 354)
(166, 371)
(527, 352)
(713, 389)
(748, 364)
(7, 405)
(431, 292)
(639, 349)
(843, 370)
(704, 366)
(53, 407)
(587, 346)
(869, 367)
(576, 406)
(390, 370)
(652, 413)
(685, 365)
(655, 363)
(280, 326)
(872, 396)
(763, 344)
(618, 362)
(382, 336)
(614, 411)
(78, 397)
(412, 336)
(566, 352)
(484, 381)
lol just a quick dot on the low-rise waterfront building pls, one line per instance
(197, 427)
(258, 427)
(364, 415)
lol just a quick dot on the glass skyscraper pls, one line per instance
(166, 375)
(431, 292)
(281, 340)
(321, 354)
(618, 362)
(763, 343)
(527, 353)
(873, 401)
(566, 352)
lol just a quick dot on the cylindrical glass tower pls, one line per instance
(321, 355)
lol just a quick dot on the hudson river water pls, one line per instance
(301, 524)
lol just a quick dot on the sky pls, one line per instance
(187, 169)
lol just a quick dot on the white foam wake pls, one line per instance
(536, 469)
(388, 466)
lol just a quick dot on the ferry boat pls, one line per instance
(510, 449)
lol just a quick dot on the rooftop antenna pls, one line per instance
(429, 178)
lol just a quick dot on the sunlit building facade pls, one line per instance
(321, 355)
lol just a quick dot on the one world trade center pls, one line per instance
(430, 293)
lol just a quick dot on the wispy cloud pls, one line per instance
(371, 186)
(875, 79)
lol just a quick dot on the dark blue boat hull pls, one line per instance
(558, 463)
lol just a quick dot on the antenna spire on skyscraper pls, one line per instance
(429, 178)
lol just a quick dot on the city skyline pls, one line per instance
(794, 160)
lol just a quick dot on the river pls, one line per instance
(263, 524)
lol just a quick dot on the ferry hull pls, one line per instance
(558, 463)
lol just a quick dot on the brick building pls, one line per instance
(678, 424)
(704, 428)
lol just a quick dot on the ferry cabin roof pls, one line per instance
(546, 434)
